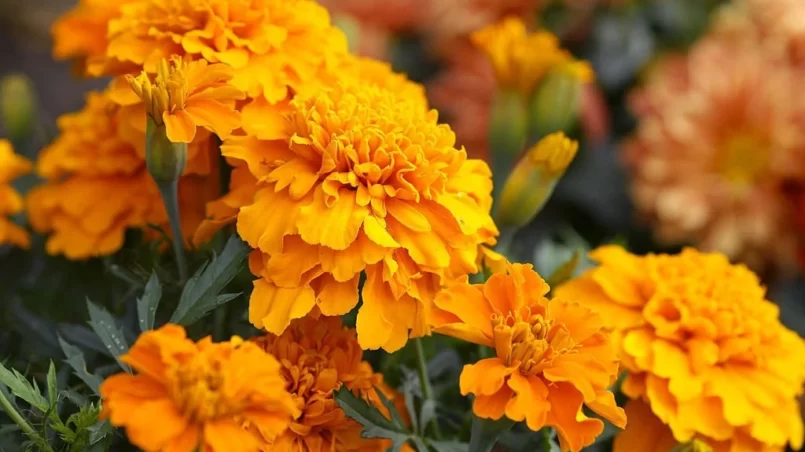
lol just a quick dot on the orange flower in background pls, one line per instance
(718, 139)
(318, 357)
(186, 95)
(97, 185)
(187, 396)
(274, 47)
(11, 167)
(704, 350)
(362, 180)
(552, 356)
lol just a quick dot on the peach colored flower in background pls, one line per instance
(552, 356)
(362, 180)
(12, 166)
(705, 351)
(187, 396)
(318, 357)
(719, 136)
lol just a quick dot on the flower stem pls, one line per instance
(15, 416)
(424, 381)
(170, 196)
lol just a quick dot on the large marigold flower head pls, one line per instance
(521, 59)
(702, 346)
(552, 356)
(318, 357)
(187, 396)
(716, 144)
(11, 167)
(366, 181)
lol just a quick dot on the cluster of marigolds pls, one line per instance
(343, 179)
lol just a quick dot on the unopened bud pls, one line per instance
(17, 105)
(556, 104)
(165, 160)
(531, 183)
(507, 132)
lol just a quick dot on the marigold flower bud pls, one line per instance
(17, 105)
(556, 103)
(531, 183)
(507, 132)
(165, 160)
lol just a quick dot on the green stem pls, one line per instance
(170, 196)
(15, 416)
(505, 241)
(424, 381)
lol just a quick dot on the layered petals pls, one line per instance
(11, 167)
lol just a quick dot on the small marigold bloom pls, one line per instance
(530, 184)
(318, 357)
(366, 180)
(704, 350)
(97, 186)
(187, 396)
(718, 139)
(11, 167)
(275, 47)
(521, 59)
(189, 94)
(552, 356)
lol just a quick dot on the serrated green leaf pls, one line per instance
(374, 424)
(22, 388)
(201, 293)
(102, 322)
(148, 303)
(75, 359)
(565, 271)
(53, 386)
(485, 433)
(395, 415)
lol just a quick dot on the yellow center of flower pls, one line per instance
(198, 391)
(745, 159)
(529, 341)
(169, 90)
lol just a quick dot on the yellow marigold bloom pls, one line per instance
(11, 167)
(552, 356)
(380, 73)
(275, 47)
(318, 357)
(187, 396)
(530, 184)
(97, 185)
(704, 350)
(365, 180)
(187, 94)
(521, 59)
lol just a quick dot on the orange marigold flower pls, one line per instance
(318, 357)
(704, 350)
(274, 47)
(521, 59)
(552, 356)
(188, 94)
(718, 139)
(187, 396)
(365, 180)
(11, 167)
(97, 185)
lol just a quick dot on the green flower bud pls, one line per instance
(165, 160)
(556, 104)
(17, 105)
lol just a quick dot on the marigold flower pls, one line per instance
(318, 357)
(552, 356)
(521, 59)
(275, 47)
(188, 94)
(366, 180)
(11, 167)
(188, 396)
(97, 185)
(717, 142)
(704, 350)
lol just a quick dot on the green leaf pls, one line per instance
(448, 446)
(102, 322)
(374, 424)
(565, 271)
(21, 388)
(53, 387)
(75, 359)
(148, 303)
(201, 293)
(485, 432)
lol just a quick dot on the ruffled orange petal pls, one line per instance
(530, 402)
(179, 126)
(273, 308)
(644, 432)
(485, 377)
